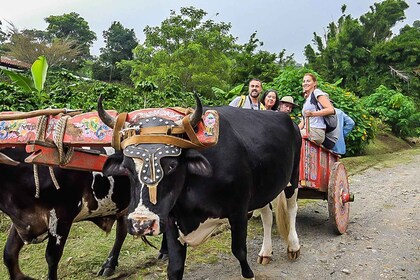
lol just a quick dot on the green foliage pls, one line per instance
(394, 109)
(186, 53)
(289, 82)
(39, 73)
(223, 95)
(361, 51)
(22, 81)
(249, 62)
(16, 99)
(119, 45)
(72, 26)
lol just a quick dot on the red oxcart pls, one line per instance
(323, 176)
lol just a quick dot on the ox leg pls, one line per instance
(108, 268)
(265, 255)
(239, 250)
(163, 252)
(11, 255)
(293, 246)
(56, 241)
(177, 254)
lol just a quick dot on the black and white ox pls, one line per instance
(256, 156)
(81, 196)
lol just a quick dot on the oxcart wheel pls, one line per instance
(338, 193)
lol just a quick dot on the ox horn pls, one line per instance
(196, 117)
(103, 115)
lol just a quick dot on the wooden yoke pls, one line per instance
(56, 140)
(204, 135)
(46, 137)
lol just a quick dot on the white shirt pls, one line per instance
(317, 122)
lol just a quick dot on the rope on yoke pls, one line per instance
(41, 127)
(58, 137)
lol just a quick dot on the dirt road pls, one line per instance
(382, 240)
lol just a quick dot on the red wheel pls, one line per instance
(338, 194)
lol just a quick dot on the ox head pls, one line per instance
(157, 165)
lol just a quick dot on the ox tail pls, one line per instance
(282, 216)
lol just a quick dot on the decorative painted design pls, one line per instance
(19, 130)
(313, 168)
(90, 128)
(165, 113)
(209, 122)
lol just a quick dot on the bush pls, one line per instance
(395, 109)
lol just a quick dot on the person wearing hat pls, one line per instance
(287, 104)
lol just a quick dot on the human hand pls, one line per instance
(308, 113)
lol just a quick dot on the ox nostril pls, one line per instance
(142, 227)
(147, 225)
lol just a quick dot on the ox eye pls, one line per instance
(170, 165)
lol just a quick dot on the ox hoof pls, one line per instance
(162, 257)
(293, 255)
(253, 278)
(264, 260)
(106, 272)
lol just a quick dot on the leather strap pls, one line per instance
(119, 124)
(161, 130)
(190, 131)
(159, 139)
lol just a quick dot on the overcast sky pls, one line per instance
(280, 24)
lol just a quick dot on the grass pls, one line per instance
(385, 151)
(87, 246)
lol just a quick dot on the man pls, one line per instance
(287, 104)
(345, 124)
(251, 101)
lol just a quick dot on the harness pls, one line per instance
(152, 134)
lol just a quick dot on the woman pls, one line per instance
(310, 110)
(270, 100)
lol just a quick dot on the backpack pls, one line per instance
(242, 101)
(330, 120)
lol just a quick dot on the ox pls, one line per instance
(82, 196)
(188, 193)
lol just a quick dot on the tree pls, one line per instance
(119, 45)
(383, 16)
(28, 45)
(249, 62)
(186, 53)
(75, 28)
(347, 49)
(399, 58)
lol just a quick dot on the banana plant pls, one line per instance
(229, 94)
(39, 75)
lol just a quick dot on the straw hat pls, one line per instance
(288, 99)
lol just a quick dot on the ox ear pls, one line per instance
(198, 164)
(114, 166)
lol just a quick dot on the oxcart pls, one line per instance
(323, 176)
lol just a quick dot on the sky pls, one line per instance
(280, 24)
